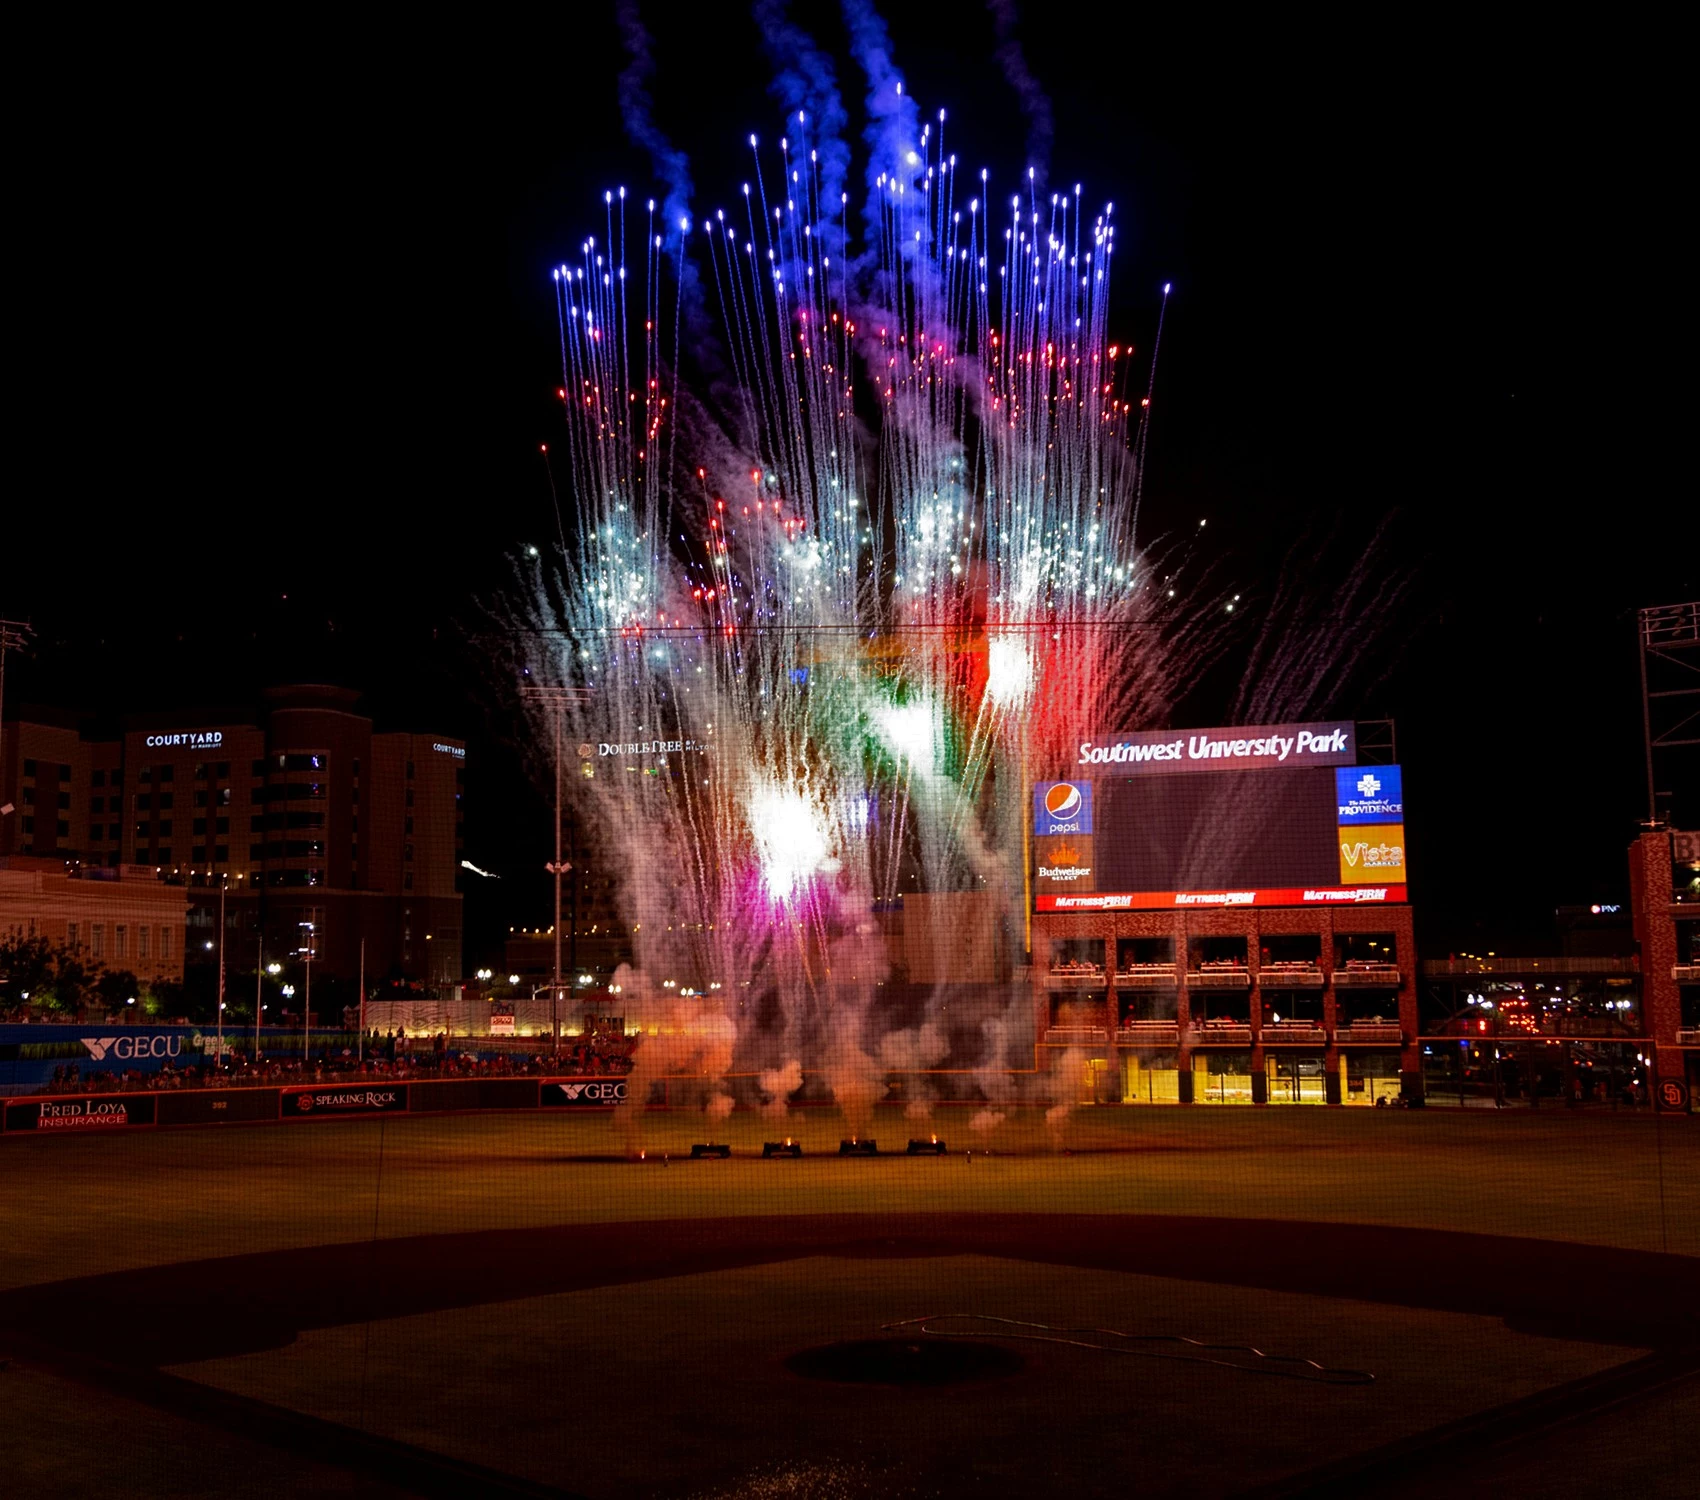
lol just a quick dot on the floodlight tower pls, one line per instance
(557, 699)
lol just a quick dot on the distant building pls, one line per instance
(118, 920)
(303, 812)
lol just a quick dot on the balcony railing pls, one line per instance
(1369, 1031)
(1294, 1031)
(1075, 978)
(1279, 976)
(1688, 1036)
(1146, 977)
(1685, 973)
(1076, 1036)
(1149, 1034)
(1233, 977)
(1384, 976)
(1220, 1033)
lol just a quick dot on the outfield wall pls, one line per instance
(76, 1114)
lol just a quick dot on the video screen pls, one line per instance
(1233, 828)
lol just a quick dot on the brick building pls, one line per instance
(302, 811)
(1664, 887)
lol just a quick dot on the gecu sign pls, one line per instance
(130, 1048)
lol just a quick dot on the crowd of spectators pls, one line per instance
(396, 1059)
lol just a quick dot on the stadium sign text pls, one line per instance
(1165, 751)
(131, 1048)
(585, 1093)
(1263, 896)
(193, 739)
(342, 1101)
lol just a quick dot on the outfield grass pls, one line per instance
(85, 1205)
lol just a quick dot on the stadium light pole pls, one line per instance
(224, 883)
(557, 698)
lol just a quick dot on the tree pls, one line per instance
(52, 976)
(116, 988)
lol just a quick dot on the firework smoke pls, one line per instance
(822, 615)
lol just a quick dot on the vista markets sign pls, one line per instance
(1163, 752)
(193, 739)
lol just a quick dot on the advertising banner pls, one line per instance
(1063, 864)
(82, 1114)
(584, 1093)
(1062, 807)
(1261, 896)
(1165, 752)
(328, 1099)
(1369, 794)
(1374, 854)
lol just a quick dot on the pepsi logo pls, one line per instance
(1063, 800)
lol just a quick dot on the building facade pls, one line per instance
(322, 832)
(1664, 889)
(129, 921)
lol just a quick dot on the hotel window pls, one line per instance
(71, 936)
(224, 796)
(120, 934)
(29, 796)
(222, 770)
(200, 799)
(199, 825)
(29, 767)
(97, 940)
(165, 828)
(168, 773)
(64, 828)
(98, 778)
(200, 772)
(117, 777)
(163, 856)
(145, 774)
(64, 773)
(29, 824)
(141, 942)
(141, 833)
(98, 805)
(198, 855)
(407, 881)
(221, 825)
(410, 770)
(164, 944)
(144, 801)
(221, 854)
(258, 768)
(408, 852)
(64, 799)
(165, 799)
(409, 827)
(410, 796)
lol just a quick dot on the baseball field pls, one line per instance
(1209, 1300)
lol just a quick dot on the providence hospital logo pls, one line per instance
(1368, 785)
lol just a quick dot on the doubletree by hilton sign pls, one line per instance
(190, 739)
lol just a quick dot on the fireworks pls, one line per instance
(866, 552)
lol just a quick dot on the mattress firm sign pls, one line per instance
(1166, 752)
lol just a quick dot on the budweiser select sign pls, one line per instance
(1163, 752)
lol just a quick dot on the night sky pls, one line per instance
(284, 351)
